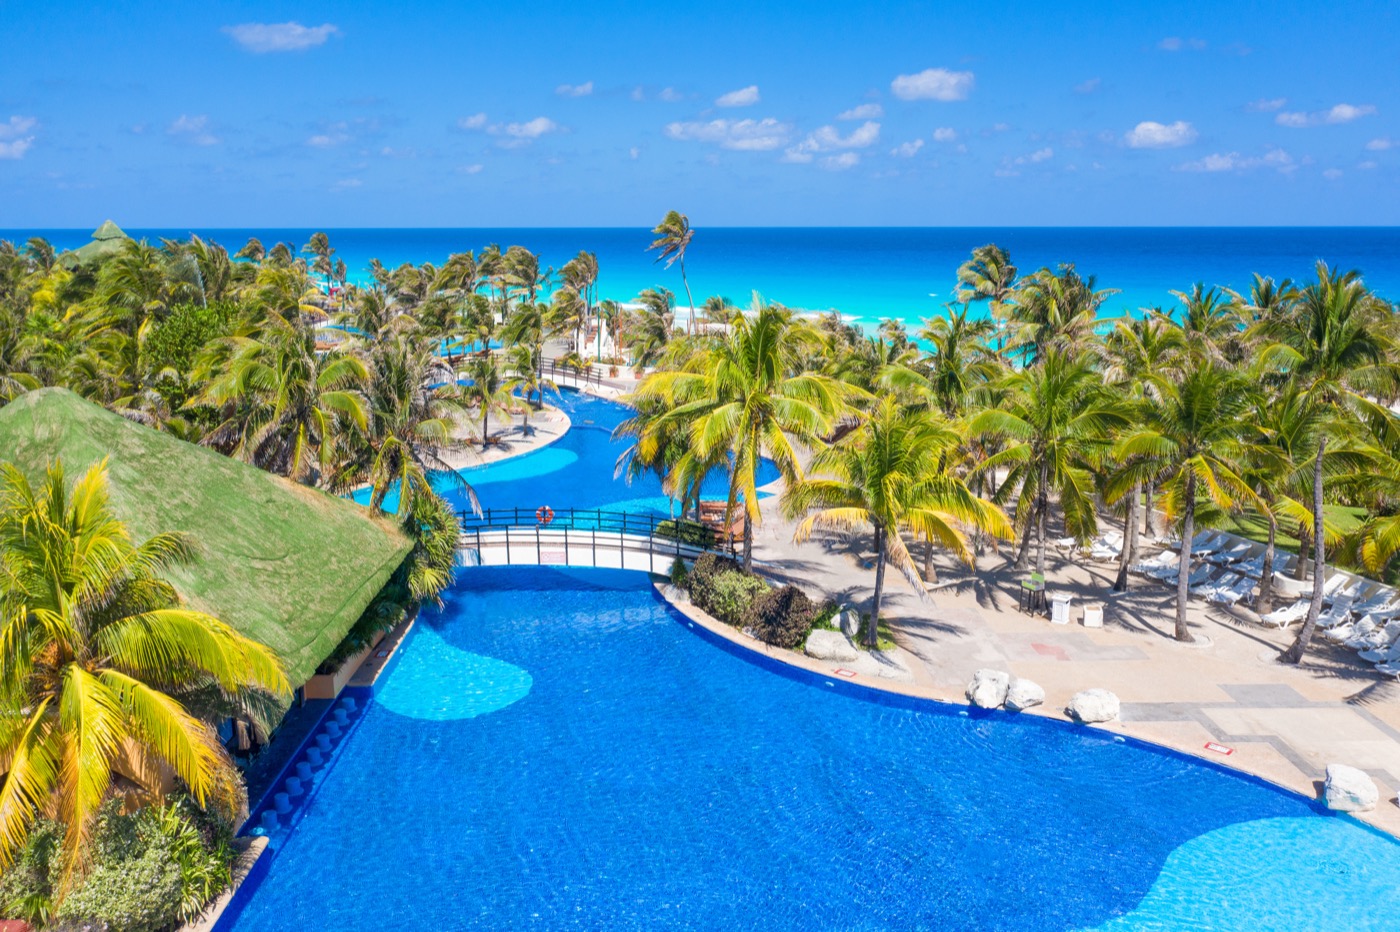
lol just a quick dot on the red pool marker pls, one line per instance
(1219, 748)
(841, 671)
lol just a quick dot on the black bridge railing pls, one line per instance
(561, 374)
(579, 530)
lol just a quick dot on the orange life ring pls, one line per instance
(544, 514)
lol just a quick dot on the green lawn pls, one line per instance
(1345, 517)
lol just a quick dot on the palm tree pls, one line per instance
(959, 360)
(526, 328)
(320, 246)
(655, 327)
(283, 404)
(1212, 322)
(1056, 311)
(988, 276)
(673, 235)
(95, 648)
(487, 391)
(1338, 349)
(891, 475)
(1192, 436)
(742, 396)
(1058, 422)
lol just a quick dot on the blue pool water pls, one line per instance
(602, 765)
(575, 471)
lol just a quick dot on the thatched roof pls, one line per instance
(107, 240)
(290, 566)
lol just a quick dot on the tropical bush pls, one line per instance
(678, 573)
(781, 617)
(728, 596)
(687, 532)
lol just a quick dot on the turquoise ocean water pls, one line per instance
(873, 272)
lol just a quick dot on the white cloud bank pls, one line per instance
(863, 112)
(516, 134)
(933, 84)
(906, 150)
(1341, 113)
(261, 38)
(743, 97)
(743, 135)
(1234, 162)
(1150, 134)
(15, 139)
(829, 138)
(945, 134)
(575, 90)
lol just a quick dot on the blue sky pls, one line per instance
(607, 113)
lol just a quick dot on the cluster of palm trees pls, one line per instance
(1271, 406)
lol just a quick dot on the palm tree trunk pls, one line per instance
(1295, 653)
(690, 318)
(1188, 530)
(1023, 552)
(748, 543)
(1147, 511)
(485, 416)
(872, 631)
(1264, 602)
(1130, 540)
(1042, 506)
(930, 576)
(1300, 572)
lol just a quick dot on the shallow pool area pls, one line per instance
(600, 763)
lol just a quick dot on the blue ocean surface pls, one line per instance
(870, 273)
(611, 767)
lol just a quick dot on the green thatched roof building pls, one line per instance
(288, 565)
(107, 240)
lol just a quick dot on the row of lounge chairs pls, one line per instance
(1359, 614)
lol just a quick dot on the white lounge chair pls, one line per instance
(1379, 601)
(1378, 637)
(1197, 577)
(1233, 553)
(1241, 588)
(1254, 566)
(1283, 617)
(1207, 542)
(1388, 654)
(1351, 629)
(1338, 614)
(1152, 566)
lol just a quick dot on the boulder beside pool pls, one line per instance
(1093, 705)
(1023, 694)
(1349, 789)
(988, 688)
(830, 645)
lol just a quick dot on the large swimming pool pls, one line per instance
(560, 749)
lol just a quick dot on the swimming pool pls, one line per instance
(560, 749)
(575, 471)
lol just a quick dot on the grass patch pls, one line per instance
(884, 637)
(1345, 517)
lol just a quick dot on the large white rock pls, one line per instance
(849, 622)
(988, 688)
(1023, 694)
(1349, 790)
(830, 645)
(1093, 705)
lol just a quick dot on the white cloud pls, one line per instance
(13, 141)
(907, 149)
(1367, 165)
(575, 90)
(194, 129)
(1332, 174)
(945, 134)
(1234, 162)
(933, 84)
(1152, 135)
(474, 169)
(744, 135)
(828, 138)
(1087, 87)
(1381, 145)
(523, 133)
(1266, 104)
(743, 97)
(1176, 44)
(280, 37)
(841, 162)
(327, 140)
(863, 112)
(670, 95)
(638, 93)
(346, 184)
(1039, 155)
(1340, 113)
(475, 121)
(634, 153)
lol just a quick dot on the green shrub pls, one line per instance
(687, 532)
(729, 595)
(678, 573)
(26, 889)
(136, 895)
(706, 568)
(826, 616)
(781, 617)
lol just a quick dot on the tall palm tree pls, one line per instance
(673, 235)
(1192, 436)
(1212, 321)
(1338, 349)
(655, 327)
(959, 360)
(1058, 423)
(1054, 311)
(743, 396)
(488, 392)
(891, 475)
(95, 648)
(526, 328)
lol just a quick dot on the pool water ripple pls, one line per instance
(654, 779)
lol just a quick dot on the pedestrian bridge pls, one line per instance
(584, 537)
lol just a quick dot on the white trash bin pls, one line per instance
(1093, 616)
(1059, 609)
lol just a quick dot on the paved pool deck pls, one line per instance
(1284, 723)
